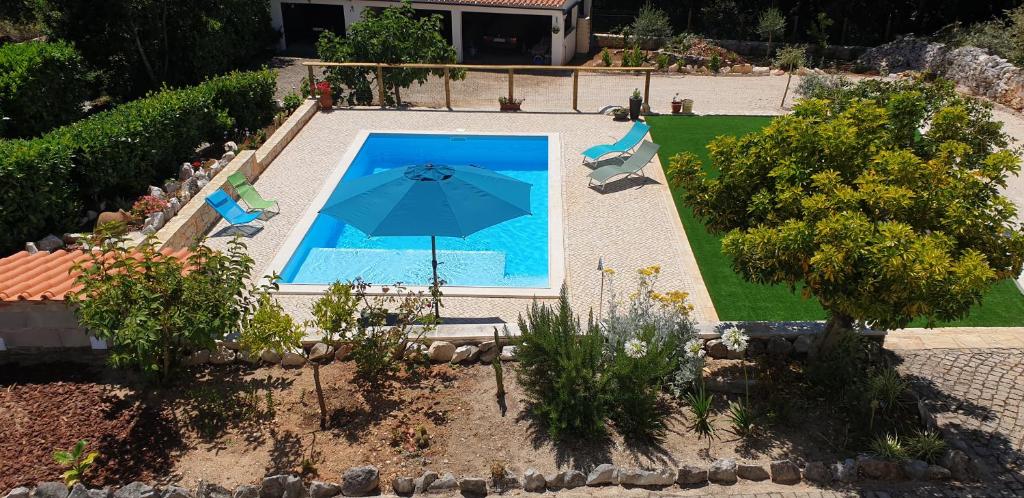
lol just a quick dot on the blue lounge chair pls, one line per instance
(225, 206)
(633, 165)
(624, 145)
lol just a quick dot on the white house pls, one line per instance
(482, 31)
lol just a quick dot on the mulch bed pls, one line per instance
(136, 441)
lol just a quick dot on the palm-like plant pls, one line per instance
(700, 404)
(77, 461)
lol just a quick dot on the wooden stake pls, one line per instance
(380, 83)
(447, 89)
(575, 89)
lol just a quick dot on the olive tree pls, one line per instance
(770, 24)
(850, 202)
(392, 36)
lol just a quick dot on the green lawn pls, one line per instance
(736, 299)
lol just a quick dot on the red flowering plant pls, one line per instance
(147, 205)
(323, 87)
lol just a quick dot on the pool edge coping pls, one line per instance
(556, 224)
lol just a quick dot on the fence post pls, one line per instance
(447, 89)
(647, 88)
(575, 89)
(380, 83)
(312, 82)
(511, 85)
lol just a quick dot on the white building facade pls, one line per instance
(547, 32)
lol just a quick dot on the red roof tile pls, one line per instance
(46, 275)
(521, 4)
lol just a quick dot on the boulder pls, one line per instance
(689, 475)
(246, 491)
(344, 350)
(878, 468)
(751, 472)
(172, 187)
(422, 483)
(157, 192)
(785, 471)
(230, 146)
(845, 471)
(133, 490)
(19, 492)
(155, 220)
(202, 182)
(80, 491)
(959, 465)
(174, 205)
(742, 69)
(403, 485)
(723, 471)
(360, 481)
(445, 483)
(209, 490)
(292, 360)
(473, 486)
(508, 353)
(817, 473)
(937, 473)
(54, 490)
(487, 351)
(605, 473)
(294, 487)
(640, 477)
(534, 481)
(778, 72)
(272, 486)
(464, 354)
(803, 344)
(321, 352)
(119, 216)
(200, 357)
(50, 243)
(227, 157)
(176, 492)
(186, 171)
(916, 470)
(441, 351)
(222, 356)
(779, 348)
(320, 489)
(575, 479)
(555, 481)
(269, 356)
(30, 247)
(716, 349)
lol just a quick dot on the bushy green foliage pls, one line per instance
(880, 222)
(392, 35)
(141, 45)
(561, 369)
(36, 190)
(115, 154)
(270, 328)
(153, 310)
(889, 447)
(823, 86)
(633, 57)
(42, 86)
(651, 24)
(606, 57)
(637, 370)
(1002, 36)
(334, 313)
(291, 102)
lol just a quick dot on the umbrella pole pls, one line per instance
(434, 291)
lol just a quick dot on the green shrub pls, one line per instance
(36, 191)
(606, 57)
(42, 86)
(715, 64)
(113, 155)
(651, 24)
(561, 370)
(889, 447)
(926, 445)
(291, 102)
(638, 370)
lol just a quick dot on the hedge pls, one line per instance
(109, 158)
(42, 86)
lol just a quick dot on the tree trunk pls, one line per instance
(142, 52)
(837, 325)
(789, 77)
(769, 47)
(320, 395)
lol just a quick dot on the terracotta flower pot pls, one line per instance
(511, 106)
(326, 100)
(676, 107)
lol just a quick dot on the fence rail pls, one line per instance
(511, 70)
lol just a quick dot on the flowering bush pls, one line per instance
(323, 87)
(147, 205)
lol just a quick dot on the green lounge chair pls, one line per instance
(633, 165)
(247, 193)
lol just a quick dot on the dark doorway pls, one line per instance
(506, 38)
(303, 24)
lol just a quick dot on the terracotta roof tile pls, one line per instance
(522, 4)
(45, 275)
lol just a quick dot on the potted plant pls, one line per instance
(677, 104)
(620, 114)
(510, 103)
(635, 101)
(323, 88)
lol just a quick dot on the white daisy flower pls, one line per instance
(635, 348)
(694, 348)
(734, 339)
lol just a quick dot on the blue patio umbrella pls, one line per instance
(429, 199)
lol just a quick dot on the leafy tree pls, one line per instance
(819, 32)
(790, 59)
(153, 309)
(770, 23)
(848, 200)
(391, 36)
(650, 24)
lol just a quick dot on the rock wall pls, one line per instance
(972, 68)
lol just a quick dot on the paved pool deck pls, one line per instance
(632, 224)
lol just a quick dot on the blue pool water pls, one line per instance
(510, 254)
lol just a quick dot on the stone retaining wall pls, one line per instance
(742, 47)
(973, 68)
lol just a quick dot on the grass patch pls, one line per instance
(737, 299)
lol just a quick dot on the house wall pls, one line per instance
(562, 47)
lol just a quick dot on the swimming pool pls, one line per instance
(516, 254)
